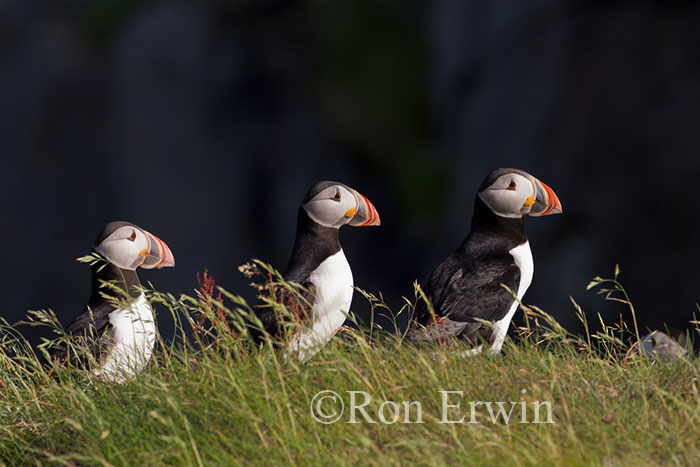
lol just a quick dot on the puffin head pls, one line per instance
(514, 193)
(333, 204)
(128, 246)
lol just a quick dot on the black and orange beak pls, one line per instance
(158, 255)
(365, 213)
(546, 201)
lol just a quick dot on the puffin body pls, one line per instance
(333, 284)
(133, 335)
(117, 327)
(466, 290)
(319, 265)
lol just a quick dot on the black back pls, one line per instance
(93, 323)
(312, 245)
(126, 280)
(467, 284)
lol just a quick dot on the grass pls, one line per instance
(213, 399)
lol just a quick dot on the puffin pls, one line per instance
(659, 346)
(465, 294)
(117, 326)
(319, 265)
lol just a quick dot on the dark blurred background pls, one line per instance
(206, 121)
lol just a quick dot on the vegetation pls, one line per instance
(209, 397)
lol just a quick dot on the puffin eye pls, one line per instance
(336, 197)
(132, 237)
(512, 185)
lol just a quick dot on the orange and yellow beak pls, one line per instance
(158, 255)
(364, 214)
(546, 201)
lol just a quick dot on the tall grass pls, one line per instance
(210, 397)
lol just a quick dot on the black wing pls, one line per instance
(461, 291)
(298, 303)
(469, 296)
(96, 318)
(92, 333)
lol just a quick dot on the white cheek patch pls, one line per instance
(315, 211)
(503, 202)
(506, 202)
(328, 212)
(123, 252)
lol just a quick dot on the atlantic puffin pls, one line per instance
(117, 326)
(319, 265)
(466, 290)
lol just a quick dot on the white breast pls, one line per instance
(334, 288)
(522, 255)
(134, 336)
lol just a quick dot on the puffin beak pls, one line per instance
(158, 254)
(546, 201)
(364, 214)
